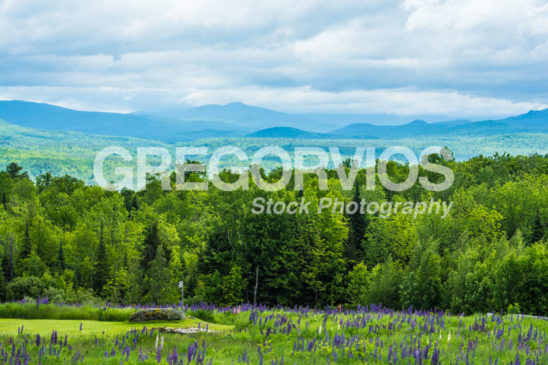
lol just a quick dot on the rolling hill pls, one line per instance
(287, 132)
(55, 118)
(238, 120)
(73, 153)
(248, 117)
(531, 122)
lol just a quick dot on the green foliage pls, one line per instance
(66, 312)
(100, 274)
(233, 287)
(3, 288)
(385, 281)
(27, 246)
(522, 277)
(514, 309)
(421, 286)
(29, 286)
(358, 284)
(76, 243)
(202, 314)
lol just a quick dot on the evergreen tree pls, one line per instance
(14, 170)
(3, 290)
(356, 231)
(134, 204)
(27, 245)
(7, 262)
(158, 280)
(4, 199)
(151, 244)
(538, 228)
(101, 268)
(61, 257)
(44, 181)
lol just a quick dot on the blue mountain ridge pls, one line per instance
(240, 120)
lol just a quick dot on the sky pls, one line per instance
(461, 58)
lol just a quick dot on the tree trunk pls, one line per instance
(256, 285)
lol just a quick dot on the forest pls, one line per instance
(76, 243)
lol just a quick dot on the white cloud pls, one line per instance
(397, 101)
(454, 57)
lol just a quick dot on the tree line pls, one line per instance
(72, 242)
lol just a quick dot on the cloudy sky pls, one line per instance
(465, 58)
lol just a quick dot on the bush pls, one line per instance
(81, 296)
(202, 314)
(514, 309)
(29, 286)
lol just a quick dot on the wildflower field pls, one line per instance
(260, 335)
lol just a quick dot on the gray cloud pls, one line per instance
(463, 58)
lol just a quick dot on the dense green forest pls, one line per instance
(71, 242)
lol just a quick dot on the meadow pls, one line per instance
(259, 335)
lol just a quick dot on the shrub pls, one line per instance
(514, 309)
(202, 314)
(29, 286)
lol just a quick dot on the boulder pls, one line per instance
(157, 315)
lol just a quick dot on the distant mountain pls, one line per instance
(237, 120)
(51, 117)
(531, 122)
(341, 120)
(73, 153)
(287, 132)
(251, 117)
(536, 119)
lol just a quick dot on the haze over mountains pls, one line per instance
(240, 120)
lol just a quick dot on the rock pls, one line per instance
(185, 331)
(157, 314)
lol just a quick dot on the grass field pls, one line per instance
(290, 336)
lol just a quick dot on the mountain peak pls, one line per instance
(417, 122)
(237, 104)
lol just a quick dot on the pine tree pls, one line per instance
(101, 267)
(538, 228)
(3, 290)
(7, 263)
(356, 232)
(158, 279)
(135, 203)
(14, 170)
(27, 245)
(61, 258)
(4, 199)
(151, 243)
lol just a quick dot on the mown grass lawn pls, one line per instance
(44, 327)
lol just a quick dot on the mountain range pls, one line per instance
(237, 120)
